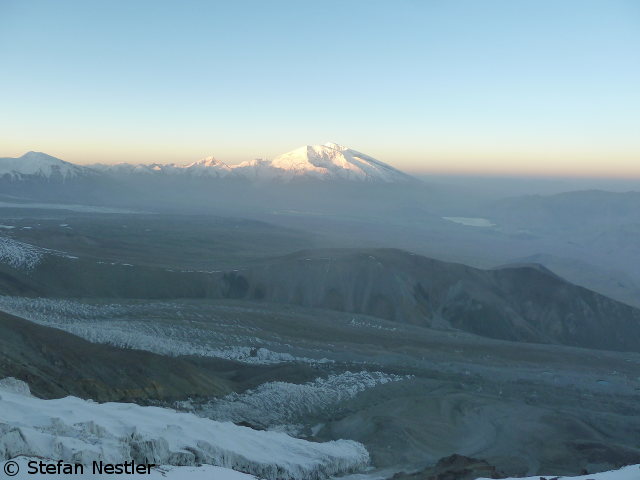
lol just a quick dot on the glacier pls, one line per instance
(283, 405)
(136, 326)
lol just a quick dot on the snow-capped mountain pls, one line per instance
(323, 162)
(314, 162)
(335, 161)
(209, 166)
(38, 165)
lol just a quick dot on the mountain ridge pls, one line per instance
(517, 303)
(526, 303)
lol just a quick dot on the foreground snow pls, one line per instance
(75, 430)
(631, 472)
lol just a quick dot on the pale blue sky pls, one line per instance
(442, 85)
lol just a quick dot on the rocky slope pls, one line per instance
(522, 303)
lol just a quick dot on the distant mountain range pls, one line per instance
(329, 162)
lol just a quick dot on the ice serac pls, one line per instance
(40, 165)
(80, 431)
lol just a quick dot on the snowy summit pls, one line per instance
(325, 162)
(38, 164)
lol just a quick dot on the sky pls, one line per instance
(544, 87)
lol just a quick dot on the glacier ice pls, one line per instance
(81, 431)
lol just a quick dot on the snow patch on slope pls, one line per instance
(80, 431)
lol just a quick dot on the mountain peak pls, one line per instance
(335, 146)
(210, 161)
(39, 164)
(207, 167)
(31, 155)
(337, 162)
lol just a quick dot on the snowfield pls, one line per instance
(632, 472)
(80, 431)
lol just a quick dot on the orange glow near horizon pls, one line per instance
(440, 162)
